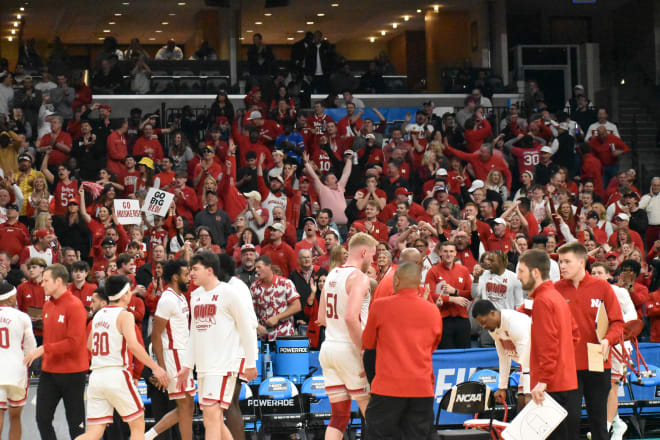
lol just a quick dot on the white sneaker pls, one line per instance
(619, 427)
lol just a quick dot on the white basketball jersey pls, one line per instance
(173, 308)
(336, 301)
(271, 202)
(108, 344)
(16, 340)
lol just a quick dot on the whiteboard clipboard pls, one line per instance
(536, 422)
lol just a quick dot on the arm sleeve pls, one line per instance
(545, 336)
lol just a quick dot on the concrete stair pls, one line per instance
(646, 151)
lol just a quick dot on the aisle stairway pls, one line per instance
(639, 130)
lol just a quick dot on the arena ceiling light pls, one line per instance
(107, 31)
(267, 14)
(383, 33)
(372, 39)
(249, 31)
(21, 9)
(258, 22)
(111, 22)
(395, 25)
(406, 17)
(181, 3)
(10, 38)
(289, 38)
(164, 23)
(152, 39)
(320, 14)
(18, 16)
(158, 31)
(335, 5)
(310, 22)
(419, 11)
(436, 8)
(117, 14)
(15, 24)
(300, 31)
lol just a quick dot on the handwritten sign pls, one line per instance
(128, 211)
(157, 202)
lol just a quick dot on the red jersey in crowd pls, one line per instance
(14, 237)
(84, 294)
(283, 256)
(57, 156)
(604, 149)
(143, 144)
(63, 193)
(117, 152)
(458, 277)
(319, 122)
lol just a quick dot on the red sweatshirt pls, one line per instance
(457, 276)
(283, 256)
(84, 294)
(475, 137)
(65, 346)
(117, 152)
(584, 303)
(405, 329)
(552, 358)
(481, 169)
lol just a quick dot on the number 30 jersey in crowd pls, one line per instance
(16, 340)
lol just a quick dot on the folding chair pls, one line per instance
(280, 408)
(248, 410)
(316, 405)
(471, 398)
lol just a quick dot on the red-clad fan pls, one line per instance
(370, 223)
(310, 239)
(251, 142)
(148, 145)
(500, 239)
(57, 142)
(185, 197)
(65, 188)
(553, 333)
(450, 285)
(79, 286)
(621, 223)
(307, 131)
(280, 253)
(527, 152)
(268, 130)
(370, 193)
(319, 120)
(608, 147)
(592, 168)
(273, 195)
(117, 148)
(14, 235)
(483, 161)
(415, 210)
(338, 145)
(30, 293)
(208, 167)
(477, 129)
(350, 124)
(129, 176)
(166, 175)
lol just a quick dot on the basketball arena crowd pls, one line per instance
(475, 218)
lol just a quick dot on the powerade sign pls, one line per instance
(293, 350)
(284, 403)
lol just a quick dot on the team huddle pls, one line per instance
(376, 352)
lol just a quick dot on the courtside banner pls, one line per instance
(128, 211)
(157, 202)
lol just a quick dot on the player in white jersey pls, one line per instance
(220, 326)
(110, 384)
(169, 339)
(16, 340)
(234, 416)
(343, 310)
(600, 270)
(512, 332)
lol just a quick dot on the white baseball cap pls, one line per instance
(441, 172)
(623, 216)
(255, 115)
(546, 149)
(500, 221)
(476, 185)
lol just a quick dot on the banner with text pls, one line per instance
(157, 202)
(128, 211)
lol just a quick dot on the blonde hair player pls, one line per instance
(343, 311)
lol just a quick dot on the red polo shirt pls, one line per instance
(65, 346)
(13, 238)
(552, 358)
(584, 303)
(283, 256)
(458, 277)
(405, 329)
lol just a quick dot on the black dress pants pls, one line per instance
(455, 332)
(570, 401)
(70, 387)
(595, 387)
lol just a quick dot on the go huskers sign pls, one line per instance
(157, 202)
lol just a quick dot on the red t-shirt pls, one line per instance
(458, 277)
(283, 256)
(84, 294)
(13, 238)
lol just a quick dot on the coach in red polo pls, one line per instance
(405, 328)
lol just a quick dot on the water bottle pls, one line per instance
(268, 363)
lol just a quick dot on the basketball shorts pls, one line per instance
(343, 372)
(12, 396)
(617, 365)
(213, 388)
(173, 365)
(112, 388)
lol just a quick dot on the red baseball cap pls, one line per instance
(402, 192)
(75, 199)
(611, 254)
(41, 233)
(221, 119)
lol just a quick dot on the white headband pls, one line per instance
(8, 295)
(121, 293)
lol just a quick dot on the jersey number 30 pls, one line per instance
(100, 344)
(331, 306)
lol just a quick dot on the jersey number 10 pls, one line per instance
(4, 337)
(331, 306)
(100, 344)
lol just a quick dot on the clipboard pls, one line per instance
(35, 314)
(602, 322)
(536, 422)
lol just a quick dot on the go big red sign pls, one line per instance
(157, 202)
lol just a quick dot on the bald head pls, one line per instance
(407, 276)
(411, 255)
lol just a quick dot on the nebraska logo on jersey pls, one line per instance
(595, 303)
(204, 316)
